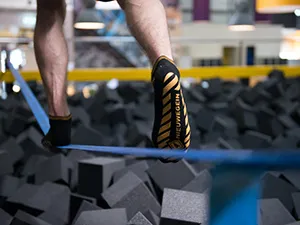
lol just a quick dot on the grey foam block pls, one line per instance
(32, 164)
(75, 157)
(95, 175)
(14, 149)
(20, 199)
(23, 218)
(293, 177)
(296, 201)
(139, 169)
(131, 193)
(60, 206)
(89, 136)
(273, 212)
(182, 207)
(283, 190)
(139, 219)
(46, 195)
(275, 173)
(86, 206)
(152, 217)
(175, 175)
(8, 185)
(6, 165)
(103, 217)
(5, 218)
(14, 124)
(80, 116)
(200, 184)
(75, 203)
(55, 169)
(30, 141)
(296, 223)
(51, 219)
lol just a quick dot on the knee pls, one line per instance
(124, 3)
(53, 5)
(121, 3)
(50, 11)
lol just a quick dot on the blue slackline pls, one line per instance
(271, 158)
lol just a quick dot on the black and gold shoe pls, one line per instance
(59, 133)
(171, 129)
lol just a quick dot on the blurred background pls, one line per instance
(202, 34)
(241, 66)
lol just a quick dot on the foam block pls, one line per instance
(75, 203)
(20, 200)
(293, 177)
(182, 207)
(51, 219)
(23, 218)
(296, 201)
(103, 217)
(32, 164)
(282, 191)
(85, 206)
(282, 142)
(8, 185)
(95, 174)
(30, 141)
(139, 219)
(296, 223)
(59, 207)
(255, 140)
(137, 133)
(80, 116)
(89, 136)
(205, 120)
(6, 166)
(200, 184)
(136, 168)
(55, 169)
(200, 166)
(131, 193)
(152, 217)
(139, 169)
(226, 126)
(174, 176)
(75, 157)
(287, 121)
(5, 218)
(46, 195)
(15, 151)
(274, 213)
(14, 124)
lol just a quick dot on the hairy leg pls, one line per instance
(52, 58)
(52, 54)
(147, 22)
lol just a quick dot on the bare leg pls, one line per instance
(52, 59)
(147, 21)
(52, 54)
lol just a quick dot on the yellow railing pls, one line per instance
(132, 74)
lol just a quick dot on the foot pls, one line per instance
(59, 133)
(171, 128)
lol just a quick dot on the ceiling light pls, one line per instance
(242, 19)
(112, 5)
(89, 19)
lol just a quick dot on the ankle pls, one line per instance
(163, 66)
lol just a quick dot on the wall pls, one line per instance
(208, 40)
